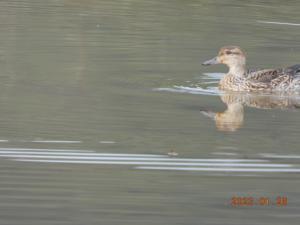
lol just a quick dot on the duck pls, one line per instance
(238, 78)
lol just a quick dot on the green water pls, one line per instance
(80, 75)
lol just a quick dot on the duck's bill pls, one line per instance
(211, 62)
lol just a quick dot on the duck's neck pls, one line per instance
(237, 70)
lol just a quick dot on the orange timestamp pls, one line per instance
(237, 201)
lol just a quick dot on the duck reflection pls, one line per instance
(233, 117)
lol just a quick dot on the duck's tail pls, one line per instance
(293, 70)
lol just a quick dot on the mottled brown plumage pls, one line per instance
(240, 79)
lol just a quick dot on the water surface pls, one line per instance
(91, 133)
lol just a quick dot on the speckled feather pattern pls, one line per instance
(263, 80)
(239, 79)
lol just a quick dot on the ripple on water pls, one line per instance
(192, 90)
(160, 162)
(207, 86)
(213, 76)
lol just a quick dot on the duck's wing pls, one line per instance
(270, 75)
(266, 75)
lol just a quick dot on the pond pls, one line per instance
(108, 117)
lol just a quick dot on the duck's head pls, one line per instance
(232, 56)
